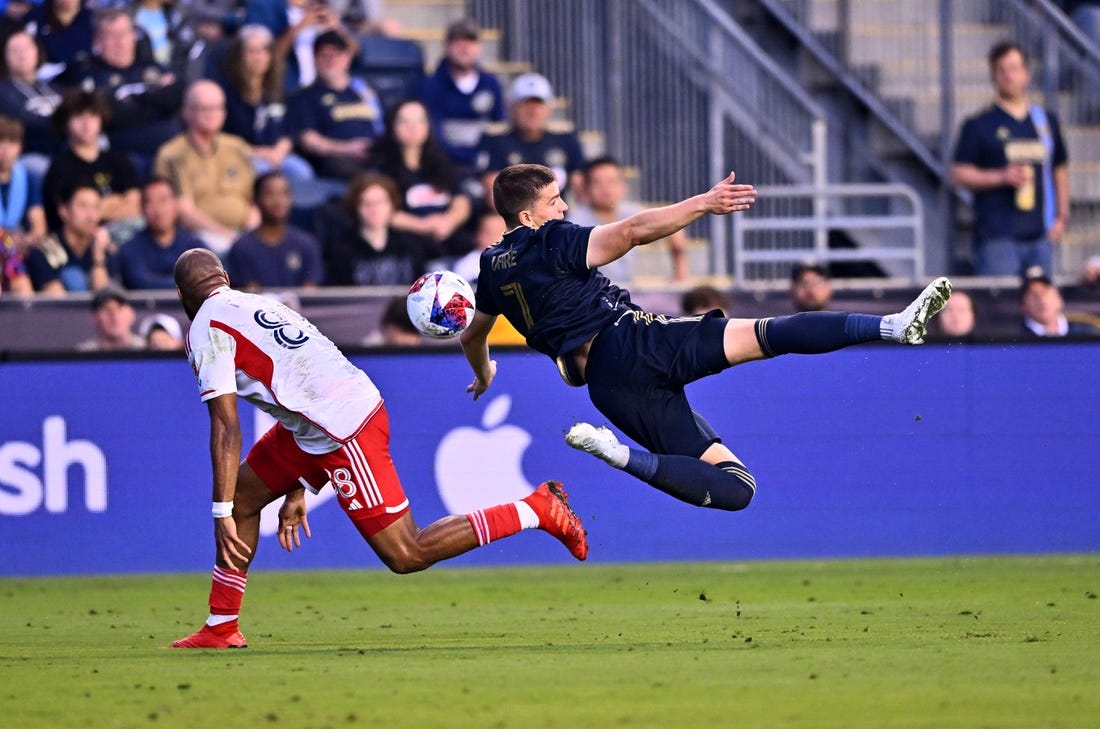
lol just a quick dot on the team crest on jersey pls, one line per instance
(286, 334)
(1003, 134)
(482, 102)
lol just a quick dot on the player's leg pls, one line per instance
(818, 332)
(228, 583)
(270, 470)
(369, 490)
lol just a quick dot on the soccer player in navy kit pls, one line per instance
(544, 278)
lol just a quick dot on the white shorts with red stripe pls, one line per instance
(361, 471)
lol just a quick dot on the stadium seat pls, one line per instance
(394, 67)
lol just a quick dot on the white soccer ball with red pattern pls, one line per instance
(440, 304)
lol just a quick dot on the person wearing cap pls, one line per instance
(530, 138)
(113, 321)
(80, 255)
(1043, 309)
(211, 170)
(147, 258)
(810, 288)
(336, 119)
(1013, 158)
(461, 97)
(161, 333)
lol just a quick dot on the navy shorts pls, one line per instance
(637, 369)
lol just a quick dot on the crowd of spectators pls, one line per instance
(130, 132)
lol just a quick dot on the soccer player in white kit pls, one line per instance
(331, 428)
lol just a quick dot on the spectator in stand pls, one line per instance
(147, 259)
(80, 120)
(152, 18)
(161, 333)
(198, 29)
(113, 321)
(80, 255)
(603, 191)
(13, 14)
(1044, 310)
(957, 320)
(13, 272)
(462, 99)
(490, 231)
(254, 108)
(810, 288)
(212, 170)
(276, 254)
(701, 299)
(64, 28)
(30, 100)
(531, 138)
(368, 251)
(433, 204)
(337, 118)
(296, 25)
(1012, 157)
(21, 214)
(144, 98)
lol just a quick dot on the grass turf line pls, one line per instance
(982, 642)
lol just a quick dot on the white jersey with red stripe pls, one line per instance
(274, 358)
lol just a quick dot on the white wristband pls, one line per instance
(221, 509)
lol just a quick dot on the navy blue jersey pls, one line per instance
(353, 113)
(261, 124)
(539, 281)
(460, 118)
(560, 151)
(988, 141)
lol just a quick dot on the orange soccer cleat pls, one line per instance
(551, 504)
(207, 637)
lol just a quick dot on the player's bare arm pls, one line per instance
(610, 242)
(225, 457)
(292, 520)
(475, 345)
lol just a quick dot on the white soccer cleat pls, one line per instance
(910, 326)
(600, 442)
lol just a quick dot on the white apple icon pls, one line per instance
(269, 517)
(479, 467)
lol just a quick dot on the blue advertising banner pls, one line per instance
(877, 450)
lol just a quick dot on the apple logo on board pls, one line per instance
(479, 467)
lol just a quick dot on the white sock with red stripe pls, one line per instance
(226, 594)
(498, 522)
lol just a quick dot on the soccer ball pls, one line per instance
(440, 304)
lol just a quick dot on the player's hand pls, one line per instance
(293, 522)
(727, 197)
(231, 548)
(479, 386)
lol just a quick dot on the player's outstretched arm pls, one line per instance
(475, 345)
(611, 242)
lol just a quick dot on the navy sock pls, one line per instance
(815, 332)
(642, 464)
(728, 486)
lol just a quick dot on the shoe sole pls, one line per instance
(930, 302)
(558, 493)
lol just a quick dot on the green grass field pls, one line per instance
(984, 642)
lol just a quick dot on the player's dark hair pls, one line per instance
(1002, 49)
(601, 161)
(517, 187)
(76, 102)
